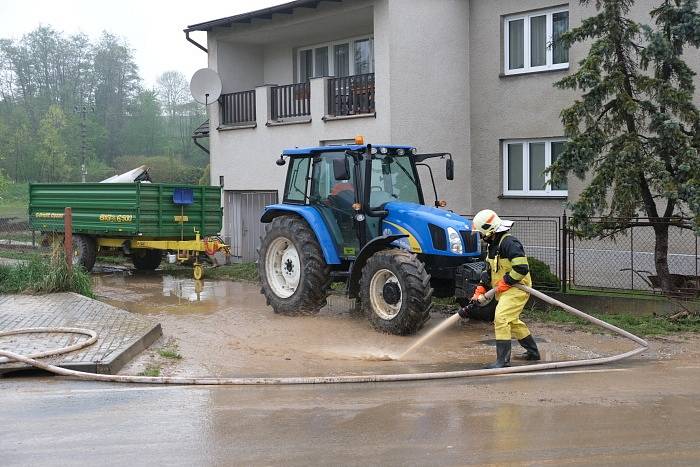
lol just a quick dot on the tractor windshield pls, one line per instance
(393, 178)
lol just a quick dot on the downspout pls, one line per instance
(194, 140)
(197, 44)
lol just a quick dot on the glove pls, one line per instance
(502, 286)
(478, 294)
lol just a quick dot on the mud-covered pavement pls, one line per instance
(642, 411)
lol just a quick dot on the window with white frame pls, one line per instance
(524, 163)
(530, 41)
(339, 58)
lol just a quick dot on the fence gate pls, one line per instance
(242, 211)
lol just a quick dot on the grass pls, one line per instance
(643, 325)
(14, 201)
(151, 370)
(20, 254)
(115, 259)
(170, 352)
(37, 275)
(242, 272)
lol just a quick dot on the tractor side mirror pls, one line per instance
(450, 169)
(341, 169)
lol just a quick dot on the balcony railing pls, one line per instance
(351, 95)
(237, 108)
(290, 101)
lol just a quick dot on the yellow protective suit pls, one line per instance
(506, 321)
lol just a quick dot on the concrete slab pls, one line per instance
(121, 335)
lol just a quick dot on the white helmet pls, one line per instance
(487, 222)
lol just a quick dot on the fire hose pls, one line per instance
(92, 338)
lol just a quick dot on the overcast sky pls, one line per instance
(153, 28)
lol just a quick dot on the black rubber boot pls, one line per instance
(502, 355)
(532, 353)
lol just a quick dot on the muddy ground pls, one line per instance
(224, 328)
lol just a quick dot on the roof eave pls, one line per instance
(265, 13)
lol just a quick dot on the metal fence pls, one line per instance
(623, 264)
(16, 234)
(626, 262)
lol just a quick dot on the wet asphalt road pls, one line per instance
(643, 411)
(640, 412)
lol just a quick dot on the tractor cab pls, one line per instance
(361, 200)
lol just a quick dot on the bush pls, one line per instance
(542, 277)
(37, 275)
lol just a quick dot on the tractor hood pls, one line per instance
(426, 228)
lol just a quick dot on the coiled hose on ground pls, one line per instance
(31, 360)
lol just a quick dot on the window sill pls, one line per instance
(245, 126)
(556, 197)
(287, 122)
(327, 118)
(536, 72)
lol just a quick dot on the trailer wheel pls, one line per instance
(146, 260)
(84, 251)
(395, 292)
(293, 272)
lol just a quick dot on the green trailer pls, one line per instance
(141, 219)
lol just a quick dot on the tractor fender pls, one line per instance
(315, 221)
(373, 246)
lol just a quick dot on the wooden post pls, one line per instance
(68, 239)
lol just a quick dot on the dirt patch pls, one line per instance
(223, 328)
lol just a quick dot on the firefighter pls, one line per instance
(506, 265)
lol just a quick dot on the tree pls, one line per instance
(634, 130)
(52, 153)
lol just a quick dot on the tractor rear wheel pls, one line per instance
(293, 272)
(146, 260)
(395, 292)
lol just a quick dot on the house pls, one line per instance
(470, 77)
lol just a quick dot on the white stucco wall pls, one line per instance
(428, 68)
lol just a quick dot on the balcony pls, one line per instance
(237, 109)
(290, 101)
(351, 95)
(333, 99)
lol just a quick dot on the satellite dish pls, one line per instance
(205, 86)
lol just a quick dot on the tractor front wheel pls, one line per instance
(293, 272)
(395, 292)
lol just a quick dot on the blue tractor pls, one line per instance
(357, 214)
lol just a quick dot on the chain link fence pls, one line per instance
(626, 262)
(623, 264)
(16, 234)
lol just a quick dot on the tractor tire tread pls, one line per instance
(315, 278)
(414, 279)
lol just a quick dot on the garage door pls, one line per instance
(242, 211)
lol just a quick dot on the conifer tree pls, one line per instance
(633, 132)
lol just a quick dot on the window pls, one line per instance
(340, 58)
(529, 42)
(524, 163)
(297, 180)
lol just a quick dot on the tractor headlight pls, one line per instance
(455, 241)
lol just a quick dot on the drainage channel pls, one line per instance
(248, 381)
